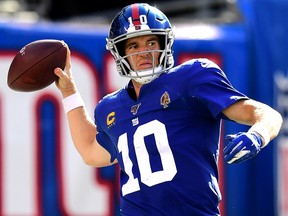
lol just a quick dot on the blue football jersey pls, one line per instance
(167, 141)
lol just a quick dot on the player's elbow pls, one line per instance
(96, 157)
(96, 164)
(278, 122)
(91, 162)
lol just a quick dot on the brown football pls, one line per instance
(33, 66)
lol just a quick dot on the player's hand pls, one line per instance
(65, 83)
(241, 147)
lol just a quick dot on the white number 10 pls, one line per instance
(148, 177)
(143, 20)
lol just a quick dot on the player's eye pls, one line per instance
(152, 44)
(130, 47)
(133, 46)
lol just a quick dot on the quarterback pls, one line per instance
(163, 127)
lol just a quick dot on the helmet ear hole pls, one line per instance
(121, 48)
(162, 41)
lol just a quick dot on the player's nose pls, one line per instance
(144, 52)
(143, 48)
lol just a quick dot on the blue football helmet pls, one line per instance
(137, 20)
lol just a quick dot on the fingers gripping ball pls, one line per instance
(241, 147)
(33, 66)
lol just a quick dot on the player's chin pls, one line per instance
(145, 68)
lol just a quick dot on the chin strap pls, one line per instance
(146, 76)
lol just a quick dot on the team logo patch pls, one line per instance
(110, 120)
(134, 109)
(135, 121)
(165, 99)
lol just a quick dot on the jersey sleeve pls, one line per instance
(212, 87)
(102, 137)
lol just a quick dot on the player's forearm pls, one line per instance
(259, 116)
(268, 123)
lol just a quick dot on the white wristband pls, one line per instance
(71, 102)
(262, 131)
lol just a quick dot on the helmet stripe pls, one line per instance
(135, 14)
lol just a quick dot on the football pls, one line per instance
(33, 66)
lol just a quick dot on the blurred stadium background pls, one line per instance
(40, 171)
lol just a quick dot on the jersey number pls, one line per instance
(148, 177)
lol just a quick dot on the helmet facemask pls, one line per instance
(135, 20)
(166, 60)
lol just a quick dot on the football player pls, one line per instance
(163, 128)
